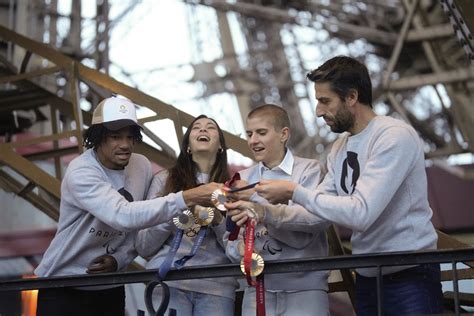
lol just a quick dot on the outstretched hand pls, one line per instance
(276, 191)
(201, 195)
(102, 264)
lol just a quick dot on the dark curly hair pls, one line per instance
(95, 135)
(182, 175)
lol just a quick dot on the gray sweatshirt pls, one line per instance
(95, 219)
(155, 243)
(376, 186)
(274, 242)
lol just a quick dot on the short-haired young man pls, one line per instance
(296, 293)
(101, 211)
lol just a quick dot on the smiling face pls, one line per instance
(204, 137)
(116, 149)
(332, 109)
(266, 142)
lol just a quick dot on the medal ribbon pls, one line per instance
(259, 283)
(249, 243)
(197, 243)
(230, 226)
(166, 265)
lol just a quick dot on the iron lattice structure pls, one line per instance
(419, 54)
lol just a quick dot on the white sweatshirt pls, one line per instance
(95, 219)
(376, 185)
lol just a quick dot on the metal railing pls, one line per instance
(282, 266)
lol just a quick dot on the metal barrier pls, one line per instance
(281, 266)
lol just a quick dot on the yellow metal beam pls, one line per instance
(29, 170)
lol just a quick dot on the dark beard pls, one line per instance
(343, 121)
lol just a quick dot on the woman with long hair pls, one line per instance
(203, 159)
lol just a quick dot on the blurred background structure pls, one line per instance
(177, 59)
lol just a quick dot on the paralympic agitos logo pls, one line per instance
(349, 179)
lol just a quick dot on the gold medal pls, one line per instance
(219, 197)
(185, 220)
(257, 265)
(203, 215)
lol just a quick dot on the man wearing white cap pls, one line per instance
(98, 216)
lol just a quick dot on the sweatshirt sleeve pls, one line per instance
(150, 240)
(295, 232)
(391, 159)
(126, 252)
(90, 192)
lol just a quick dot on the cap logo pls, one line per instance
(123, 109)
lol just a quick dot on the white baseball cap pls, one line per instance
(115, 113)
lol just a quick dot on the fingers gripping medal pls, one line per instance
(219, 197)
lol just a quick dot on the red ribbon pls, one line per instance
(249, 243)
(259, 283)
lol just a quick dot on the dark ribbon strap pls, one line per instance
(166, 265)
(230, 226)
(149, 298)
(197, 243)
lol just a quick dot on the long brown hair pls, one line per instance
(183, 175)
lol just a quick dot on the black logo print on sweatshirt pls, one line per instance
(128, 196)
(352, 163)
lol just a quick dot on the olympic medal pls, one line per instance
(219, 197)
(203, 215)
(184, 220)
(257, 265)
